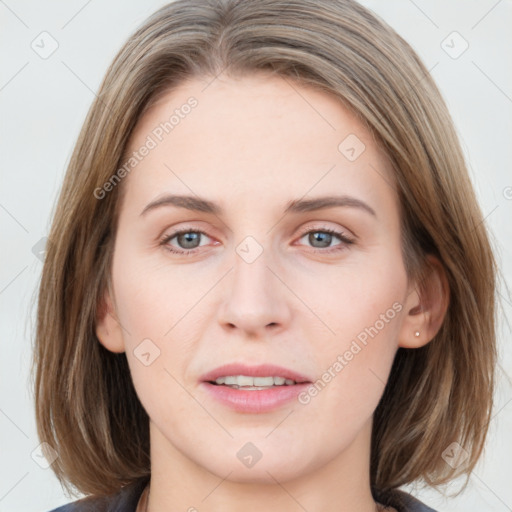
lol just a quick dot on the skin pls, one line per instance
(252, 145)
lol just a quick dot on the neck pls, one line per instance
(339, 485)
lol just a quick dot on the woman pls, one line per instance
(268, 285)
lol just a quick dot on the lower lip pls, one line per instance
(256, 401)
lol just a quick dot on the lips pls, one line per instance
(264, 370)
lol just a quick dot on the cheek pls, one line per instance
(155, 306)
(355, 370)
(347, 301)
(151, 295)
(363, 310)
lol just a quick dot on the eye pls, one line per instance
(187, 240)
(321, 240)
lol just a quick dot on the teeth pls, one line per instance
(247, 381)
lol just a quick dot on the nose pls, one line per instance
(256, 300)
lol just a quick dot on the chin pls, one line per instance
(262, 474)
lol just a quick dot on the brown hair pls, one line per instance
(86, 405)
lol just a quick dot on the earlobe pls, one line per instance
(108, 329)
(426, 306)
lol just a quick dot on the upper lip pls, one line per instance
(263, 370)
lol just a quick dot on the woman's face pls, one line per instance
(291, 257)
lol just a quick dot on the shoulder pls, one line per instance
(404, 502)
(125, 500)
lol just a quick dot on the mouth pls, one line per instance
(249, 383)
(256, 389)
(237, 375)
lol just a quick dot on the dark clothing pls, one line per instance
(127, 498)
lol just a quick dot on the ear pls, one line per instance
(426, 305)
(108, 328)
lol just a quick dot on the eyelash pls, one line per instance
(346, 241)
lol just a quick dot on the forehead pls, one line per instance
(258, 134)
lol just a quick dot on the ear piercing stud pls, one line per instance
(417, 333)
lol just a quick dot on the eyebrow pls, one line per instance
(198, 204)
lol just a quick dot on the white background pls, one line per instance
(43, 103)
